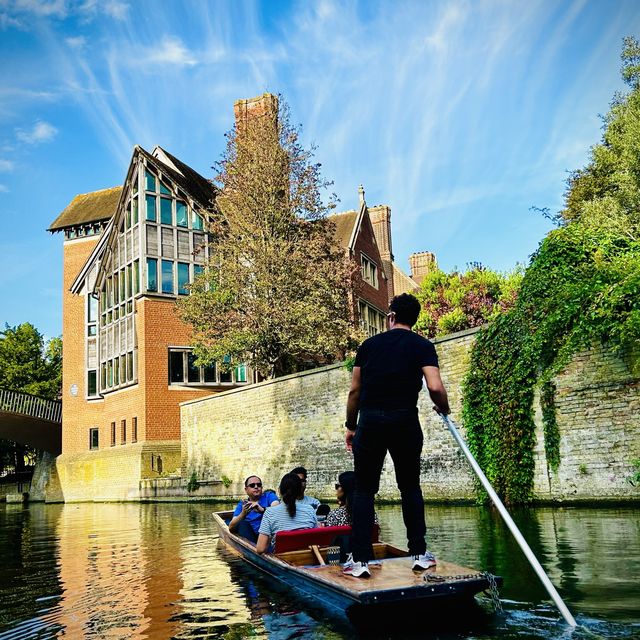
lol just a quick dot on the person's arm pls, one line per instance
(263, 543)
(273, 499)
(437, 392)
(235, 521)
(352, 407)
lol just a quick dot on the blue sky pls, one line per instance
(459, 115)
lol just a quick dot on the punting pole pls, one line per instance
(555, 596)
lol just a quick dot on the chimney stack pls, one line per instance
(266, 104)
(381, 220)
(421, 264)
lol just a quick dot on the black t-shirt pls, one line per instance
(391, 369)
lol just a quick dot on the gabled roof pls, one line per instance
(85, 208)
(197, 186)
(344, 223)
(402, 283)
(98, 250)
(191, 182)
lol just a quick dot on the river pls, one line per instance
(156, 571)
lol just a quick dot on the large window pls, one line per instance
(117, 331)
(183, 370)
(371, 320)
(173, 236)
(369, 271)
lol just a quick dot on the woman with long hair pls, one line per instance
(288, 515)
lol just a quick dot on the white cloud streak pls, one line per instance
(41, 132)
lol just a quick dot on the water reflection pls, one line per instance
(156, 571)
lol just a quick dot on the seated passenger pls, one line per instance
(248, 513)
(301, 472)
(344, 493)
(289, 515)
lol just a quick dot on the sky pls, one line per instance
(459, 115)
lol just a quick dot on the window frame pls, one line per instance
(186, 352)
(369, 270)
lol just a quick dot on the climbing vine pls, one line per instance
(580, 288)
(550, 424)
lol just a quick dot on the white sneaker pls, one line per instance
(424, 561)
(357, 570)
(349, 561)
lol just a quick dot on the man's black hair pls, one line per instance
(299, 470)
(406, 308)
(253, 475)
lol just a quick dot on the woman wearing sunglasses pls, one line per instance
(344, 494)
(248, 513)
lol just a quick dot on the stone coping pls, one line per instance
(265, 383)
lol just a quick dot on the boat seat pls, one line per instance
(320, 536)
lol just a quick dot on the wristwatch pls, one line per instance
(348, 426)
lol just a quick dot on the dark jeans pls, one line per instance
(398, 432)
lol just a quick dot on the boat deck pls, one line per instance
(392, 573)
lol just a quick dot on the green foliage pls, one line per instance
(634, 478)
(276, 288)
(550, 424)
(456, 301)
(193, 484)
(28, 365)
(226, 481)
(581, 287)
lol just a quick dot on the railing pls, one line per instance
(16, 402)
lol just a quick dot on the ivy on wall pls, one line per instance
(580, 287)
(550, 424)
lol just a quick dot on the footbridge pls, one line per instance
(30, 420)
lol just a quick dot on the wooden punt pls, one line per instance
(392, 580)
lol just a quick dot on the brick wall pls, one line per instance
(366, 243)
(270, 427)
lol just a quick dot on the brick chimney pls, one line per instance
(381, 221)
(380, 217)
(421, 264)
(266, 104)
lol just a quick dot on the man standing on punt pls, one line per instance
(382, 416)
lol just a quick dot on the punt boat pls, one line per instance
(302, 560)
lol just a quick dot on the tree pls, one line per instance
(456, 301)
(276, 289)
(580, 288)
(27, 365)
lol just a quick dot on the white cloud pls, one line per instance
(40, 132)
(170, 51)
(116, 9)
(41, 8)
(76, 42)
(4, 188)
(6, 165)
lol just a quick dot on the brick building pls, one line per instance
(129, 252)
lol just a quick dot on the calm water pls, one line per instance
(155, 571)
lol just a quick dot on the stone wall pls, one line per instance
(273, 426)
(114, 474)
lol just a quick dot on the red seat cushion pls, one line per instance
(322, 536)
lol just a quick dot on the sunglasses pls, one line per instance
(338, 485)
(255, 485)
